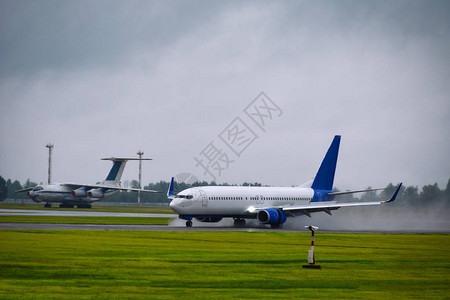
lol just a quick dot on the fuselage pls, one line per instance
(62, 193)
(268, 205)
(237, 201)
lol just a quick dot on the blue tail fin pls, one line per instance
(325, 176)
(116, 168)
(115, 174)
(170, 190)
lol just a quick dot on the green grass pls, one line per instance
(84, 220)
(226, 265)
(95, 208)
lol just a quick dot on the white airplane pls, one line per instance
(82, 195)
(268, 205)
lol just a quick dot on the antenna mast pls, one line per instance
(140, 153)
(50, 148)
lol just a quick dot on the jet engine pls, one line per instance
(96, 193)
(80, 192)
(272, 216)
(209, 219)
(33, 196)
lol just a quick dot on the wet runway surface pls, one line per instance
(178, 225)
(63, 213)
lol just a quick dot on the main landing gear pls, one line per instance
(47, 205)
(188, 223)
(239, 222)
(68, 205)
(276, 226)
(84, 206)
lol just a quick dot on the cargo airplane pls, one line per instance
(82, 195)
(268, 205)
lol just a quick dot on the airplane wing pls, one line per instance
(24, 190)
(328, 206)
(106, 187)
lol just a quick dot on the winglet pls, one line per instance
(394, 195)
(170, 190)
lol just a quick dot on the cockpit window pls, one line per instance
(184, 196)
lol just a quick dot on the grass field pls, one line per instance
(226, 265)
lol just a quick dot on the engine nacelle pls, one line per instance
(271, 216)
(33, 196)
(209, 219)
(96, 193)
(81, 192)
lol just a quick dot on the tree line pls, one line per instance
(428, 195)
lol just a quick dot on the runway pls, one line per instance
(179, 225)
(68, 213)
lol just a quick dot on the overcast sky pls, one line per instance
(181, 79)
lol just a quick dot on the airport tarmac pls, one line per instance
(70, 213)
(175, 225)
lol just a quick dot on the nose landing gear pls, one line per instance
(188, 223)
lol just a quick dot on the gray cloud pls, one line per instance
(73, 35)
(106, 78)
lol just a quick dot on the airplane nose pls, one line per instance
(173, 204)
(178, 205)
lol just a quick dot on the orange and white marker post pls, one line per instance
(311, 257)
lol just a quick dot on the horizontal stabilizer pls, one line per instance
(353, 192)
(124, 158)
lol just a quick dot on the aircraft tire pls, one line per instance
(239, 223)
(84, 206)
(276, 226)
(189, 223)
(47, 205)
